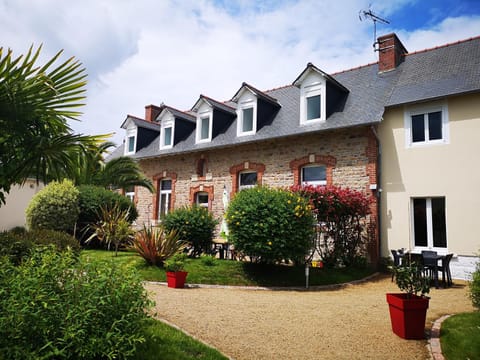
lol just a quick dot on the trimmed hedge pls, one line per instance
(55, 207)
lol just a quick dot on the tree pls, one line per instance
(35, 104)
(119, 173)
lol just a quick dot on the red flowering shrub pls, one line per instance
(341, 215)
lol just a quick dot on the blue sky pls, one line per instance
(151, 51)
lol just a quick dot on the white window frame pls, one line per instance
(200, 118)
(131, 133)
(130, 194)
(316, 182)
(430, 246)
(424, 110)
(243, 187)
(197, 199)
(313, 85)
(165, 125)
(247, 102)
(168, 198)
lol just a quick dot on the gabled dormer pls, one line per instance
(175, 126)
(139, 133)
(320, 95)
(213, 117)
(254, 109)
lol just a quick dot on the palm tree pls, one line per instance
(35, 104)
(118, 173)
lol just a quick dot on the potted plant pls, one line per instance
(175, 268)
(408, 310)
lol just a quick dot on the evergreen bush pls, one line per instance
(55, 207)
(194, 225)
(474, 287)
(59, 307)
(270, 225)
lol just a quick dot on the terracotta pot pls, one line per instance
(408, 315)
(176, 279)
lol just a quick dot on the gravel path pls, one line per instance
(347, 323)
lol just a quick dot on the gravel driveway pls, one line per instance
(351, 322)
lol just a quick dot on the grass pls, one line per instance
(228, 272)
(460, 336)
(167, 343)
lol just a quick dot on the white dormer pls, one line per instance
(246, 113)
(130, 138)
(204, 123)
(313, 103)
(167, 129)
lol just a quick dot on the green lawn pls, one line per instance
(460, 336)
(166, 343)
(228, 272)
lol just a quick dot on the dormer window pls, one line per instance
(204, 127)
(131, 139)
(312, 101)
(313, 107)
(166, 135)
(247, 116)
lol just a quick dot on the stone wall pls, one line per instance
(347, 154)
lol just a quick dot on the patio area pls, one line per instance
(351, 322)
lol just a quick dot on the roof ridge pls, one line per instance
(354, 68)
(217, 101)
(444, 45)
(136, 117)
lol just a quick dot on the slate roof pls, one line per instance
(425, 75)
(141, 123)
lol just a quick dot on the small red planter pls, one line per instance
(176, 279)
(408, 315)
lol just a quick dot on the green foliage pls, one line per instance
(56, 306)
(156, 245)
(35, 103)
(92, 198)
(474, 287)
(54, 207)
(410, 279)
(113, 227)
(270, 225)
(341, 215)
(17, 245)
(208, 260)
(176, 262)
(194, 225)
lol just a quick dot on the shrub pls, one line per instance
(90, 201)
(474, 287)
(156, 245)
(341, 216)
(59, 307)
(54, 207)
(208, 260)
(176, 263)
(17, 245)
(270, 225)
(194, 225)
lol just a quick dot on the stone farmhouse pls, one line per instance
(400, 130)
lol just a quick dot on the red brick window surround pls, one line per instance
(327, 160)
(235, 171)
(201, 189)
(157, 180)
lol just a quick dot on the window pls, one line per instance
(168, 136)
(130, 193)
(165, 198)
(314, 175)
(247, 180)
(429, 223)
(313, 107)
(201, 199)
(205, 128)
(247, 117)
(131, 144)
(426, 126)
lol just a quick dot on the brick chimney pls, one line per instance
(391, 52)
(152, 111)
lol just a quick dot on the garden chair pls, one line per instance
(445, 269)
(396, 260)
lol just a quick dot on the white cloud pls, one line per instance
(148, 51)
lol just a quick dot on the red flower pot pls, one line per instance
(407, 315)
(176, 279)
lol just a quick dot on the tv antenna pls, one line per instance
(369, 14)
